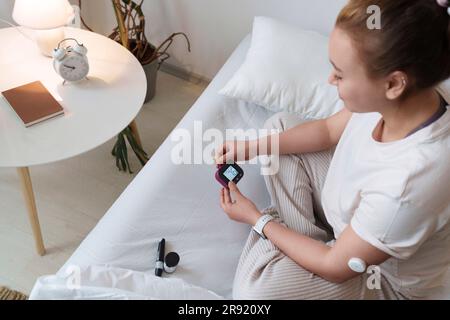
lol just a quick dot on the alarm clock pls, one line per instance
(71, 62)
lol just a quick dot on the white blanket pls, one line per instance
(107, 282)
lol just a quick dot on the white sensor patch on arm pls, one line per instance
(357, 265)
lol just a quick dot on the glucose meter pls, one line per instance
(229, 172)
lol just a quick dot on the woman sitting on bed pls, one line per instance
(370, 182)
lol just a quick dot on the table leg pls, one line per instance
(27, 190)
(134, 130)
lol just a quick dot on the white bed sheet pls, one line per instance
(181, 204)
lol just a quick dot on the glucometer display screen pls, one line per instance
(230, 173)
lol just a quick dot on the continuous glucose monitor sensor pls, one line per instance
(357, 265)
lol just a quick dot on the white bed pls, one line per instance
(179, 203)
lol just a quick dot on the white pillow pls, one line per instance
(286, 69)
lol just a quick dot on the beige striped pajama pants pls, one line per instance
(264, 272)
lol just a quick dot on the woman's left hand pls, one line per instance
(240, 209)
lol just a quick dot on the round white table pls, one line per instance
(95, 110)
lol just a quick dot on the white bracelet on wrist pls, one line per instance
(261, 223)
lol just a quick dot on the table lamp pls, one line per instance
(47, 17)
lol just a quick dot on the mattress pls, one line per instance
(180, 203)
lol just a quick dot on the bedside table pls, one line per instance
(95, 110)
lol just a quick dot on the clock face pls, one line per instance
(73, 68)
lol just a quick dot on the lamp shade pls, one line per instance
(42, 14)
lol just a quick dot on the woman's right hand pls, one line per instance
(235, 150)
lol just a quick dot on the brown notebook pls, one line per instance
(33, 103)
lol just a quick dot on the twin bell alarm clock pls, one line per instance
(71, 62)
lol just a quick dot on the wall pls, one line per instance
(215, 27)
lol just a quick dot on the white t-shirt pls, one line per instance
(396, 196)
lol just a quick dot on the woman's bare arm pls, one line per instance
(315, 256)
(312, 136)
(330, 263)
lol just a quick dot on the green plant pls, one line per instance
(130, 32)
(120, 150)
